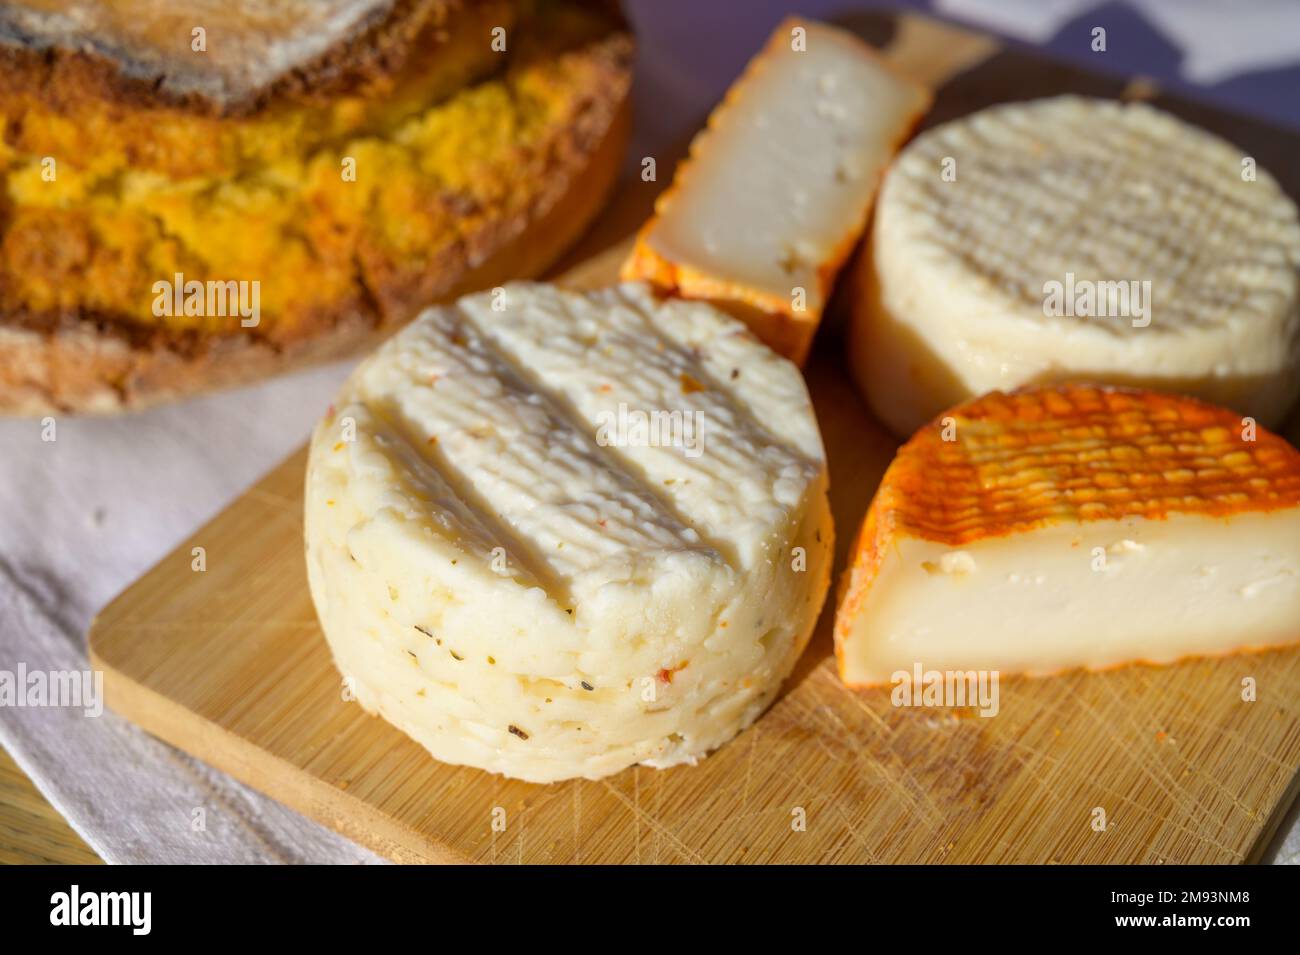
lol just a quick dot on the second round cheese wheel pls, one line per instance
(553, 534)
(1077, 239)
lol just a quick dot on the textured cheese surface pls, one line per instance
(778, 187)
(1074, 526)
(957, 274)
(524, 588)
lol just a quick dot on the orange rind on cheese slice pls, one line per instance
(779, 185)
(1074, 526)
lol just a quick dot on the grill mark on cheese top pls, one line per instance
(1108, 191)
(746, 482)
(498, 410)
(513, 458)
(413, 491)
(769, 393)
(604, 456)
(471, 519)
(1080, 453)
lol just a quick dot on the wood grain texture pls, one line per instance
(31, 830)
(229, 664)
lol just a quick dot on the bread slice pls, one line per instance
(392, 157)
(227, 58)
(1074, 526)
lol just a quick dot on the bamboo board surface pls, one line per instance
(31, 830)
(229, 664)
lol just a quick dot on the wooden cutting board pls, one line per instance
(230, 665)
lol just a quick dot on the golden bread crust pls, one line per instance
(139, 54)
(339, 269)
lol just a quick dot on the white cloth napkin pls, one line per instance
(80, 518)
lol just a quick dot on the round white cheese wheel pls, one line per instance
(1077, 239)
(553, 534)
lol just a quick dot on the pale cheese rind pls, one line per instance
(985, 224)
(522, 591)
(778, 187)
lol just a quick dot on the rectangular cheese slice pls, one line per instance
(1076, 526)
(779, 185)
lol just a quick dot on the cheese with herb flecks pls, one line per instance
(553, 534)
(1074, 526)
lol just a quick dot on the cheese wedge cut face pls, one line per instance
(778, 187)
(1072, 239)
(554, 535)
(1075, 526)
